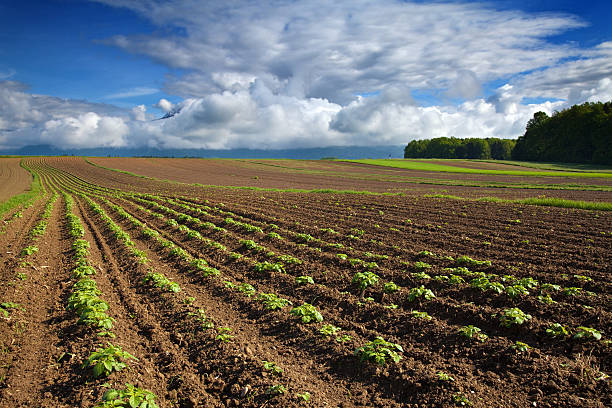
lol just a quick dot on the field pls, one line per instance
(222, 283)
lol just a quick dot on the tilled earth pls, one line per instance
(260, 242)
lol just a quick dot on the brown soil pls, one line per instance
(14, 179)
(184, 364)
(310, 174)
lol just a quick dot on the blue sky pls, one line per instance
(95, 73)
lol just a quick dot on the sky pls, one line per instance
(276, 74)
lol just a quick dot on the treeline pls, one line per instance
(580, 134)
(454, 148)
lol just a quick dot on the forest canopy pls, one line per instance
(580, 134)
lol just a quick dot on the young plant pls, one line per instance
(201, 317)
(29, 250)
(272, 367)
(419, 292)
(105, 361)
(277, 389)
(390, 287)
(521, 347)
(6, 306)
(272, 302)
(513, 316)
(473, 332)
(421, 266)
(223, 335)
(421, 315)
(379, 351)
(587, 333)
(328, 330)
(307, 313)
(365, 279)
(130, 397)
(304, 280)
(269, 267)
(442, 376)
(557, 330)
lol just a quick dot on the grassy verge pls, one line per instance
(22, 198)
(546, 201)
(423, 165)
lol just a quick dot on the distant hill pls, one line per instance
(339, 152)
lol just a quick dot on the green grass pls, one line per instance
(424, 165)
(22, 198)
(546, 201)
(574, 167)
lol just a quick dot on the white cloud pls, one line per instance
(286, 74)
(86, 130)
(164, 105)
(27, 119)
(336, 50)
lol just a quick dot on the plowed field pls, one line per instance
(233, 297)
(14, 179)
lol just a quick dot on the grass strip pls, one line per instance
(542, 201)
(22, 198)
(427, 166)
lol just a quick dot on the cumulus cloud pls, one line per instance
(27, 119)
(81, 131)
(335, 50)
(164, 105)
(286, 74)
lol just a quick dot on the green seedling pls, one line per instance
(420, 292)
(587, 333)
(160, 281)
(105, 361)
(365, 279)
(304, 280)
(223, 334)
(421, 315)
(461, 400)
(269, 267)
(129, 397)
(329, 330)
(473, 332)
(390, 287)
(305, 396)
(6, 306)
(420, 276)
(272, 302)
(29, 250)
(379, 351)
(307, 313)
(272, 367)
(572, 291)
(278, 389)
(513, 316)
(557, 330)
(201, 317)
(421, 266)
(467, 261)
(521, 347)
(246, 288)
(442, 376)
(515, 291)
(289, 260)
